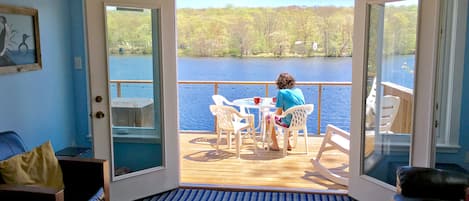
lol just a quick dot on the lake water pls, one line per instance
(194, 100)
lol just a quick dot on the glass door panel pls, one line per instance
(131, 110)
(134, 74)
(394, 62)
(390, 75)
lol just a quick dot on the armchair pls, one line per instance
(430, 184)
(82, 177)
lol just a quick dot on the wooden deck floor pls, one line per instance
(201, 165)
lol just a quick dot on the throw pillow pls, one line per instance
(38, 167)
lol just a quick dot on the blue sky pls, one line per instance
(259, 3)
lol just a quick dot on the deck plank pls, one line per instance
(201, 165)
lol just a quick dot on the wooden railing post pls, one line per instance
(119, 91)
(266, 89)
(215, 88)
(319, 108)
(215, 92)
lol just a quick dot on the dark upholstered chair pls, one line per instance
(83, 177)
(430, 184)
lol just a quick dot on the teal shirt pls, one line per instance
(287, 98)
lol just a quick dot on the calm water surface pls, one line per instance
(194, 100)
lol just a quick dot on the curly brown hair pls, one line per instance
(285, 81)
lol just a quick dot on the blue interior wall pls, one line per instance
(39, 105)
(464, 121)
(80, 76)
(464, 138)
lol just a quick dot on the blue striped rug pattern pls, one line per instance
(215, 195)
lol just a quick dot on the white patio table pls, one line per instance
(263, 107)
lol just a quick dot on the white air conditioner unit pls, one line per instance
(132, 112)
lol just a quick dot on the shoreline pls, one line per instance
(243, 57)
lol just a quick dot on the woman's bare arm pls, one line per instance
(279, 111)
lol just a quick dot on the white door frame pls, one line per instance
(363, 187)
(423, 146)
(159, 179)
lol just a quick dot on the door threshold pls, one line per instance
(260, 188)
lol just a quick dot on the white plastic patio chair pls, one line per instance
(221, 100)
(338, 139)
(335, 139)
(228, 121)
(371, 98)
(298, 122)
(390, 107)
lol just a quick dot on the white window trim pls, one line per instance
(448, 97)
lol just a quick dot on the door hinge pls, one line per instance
(436, 123)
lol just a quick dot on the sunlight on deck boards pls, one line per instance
(201, 165)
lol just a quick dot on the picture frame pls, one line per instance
(20, 48)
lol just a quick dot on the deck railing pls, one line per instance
(403, 122)
(266, 84)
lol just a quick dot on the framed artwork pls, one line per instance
(20, 48)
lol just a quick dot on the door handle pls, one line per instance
(99, 114)
(98, 99)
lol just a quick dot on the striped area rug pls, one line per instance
(215, 195)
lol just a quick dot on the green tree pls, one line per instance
(279, 32)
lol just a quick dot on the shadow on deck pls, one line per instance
(200, 164)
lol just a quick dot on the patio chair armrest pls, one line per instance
(337, 131)
(18, 192)
(249, 117)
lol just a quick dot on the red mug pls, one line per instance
(274, 99)
(257, 100)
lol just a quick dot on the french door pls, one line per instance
(132, 74)
(394, 58)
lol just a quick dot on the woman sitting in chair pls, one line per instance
(288, 96)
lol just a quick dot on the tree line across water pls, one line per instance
(261, 32)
